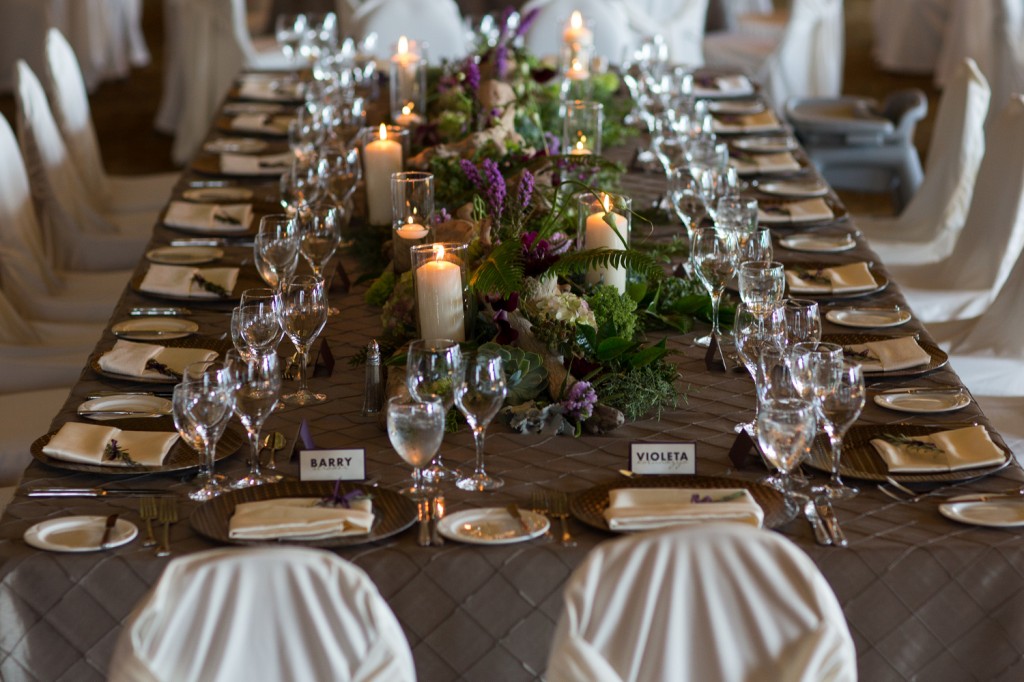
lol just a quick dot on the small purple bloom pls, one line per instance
(527, 22)
(526, 183)
(443, 215)
(579, 403)
(506, 14)
(472, 173)
(472, 72)
(495, 193)
(553, 143)
(500, 61)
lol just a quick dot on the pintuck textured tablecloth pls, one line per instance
(925, 598)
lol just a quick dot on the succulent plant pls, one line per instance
(525, 376)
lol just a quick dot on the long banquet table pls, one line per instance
(925, 598)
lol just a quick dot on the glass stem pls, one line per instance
(835, 441)
(303, 361)
(716, 298)
(478, 440)
(254, 441)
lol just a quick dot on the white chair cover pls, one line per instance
(967, 34)
(965, 284)
(927, 229)
(24, 417)
(1007, 38)
(726, 15)
(807, 61)
(74, 117)
(437, 23)
(271, 613)
(680, 22)
(608, 19)
(723, 602)
(909, 33)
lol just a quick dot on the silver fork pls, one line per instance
(148, 512)
(560, 510)
(539, 505)
(167, 514)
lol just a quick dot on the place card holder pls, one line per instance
(714, 359)
(324, 365)
(744, 450)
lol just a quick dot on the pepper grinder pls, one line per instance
(373, 391)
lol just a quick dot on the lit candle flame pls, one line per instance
(438, 252)
(577, 65)
(407, 109)
(581, 142)
(383, 132)
(576, 19)
(606, 202)
(403, 45)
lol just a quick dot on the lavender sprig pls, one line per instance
(207, 285)
(226, 218)
(816, 276)
(496, 190)
(160, 367)
(113, 452)
(336, 499)
(696, 498)
(922, 447)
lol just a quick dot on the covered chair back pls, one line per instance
(809, 59)
(608, 19)
(437, 23)
(680, 22)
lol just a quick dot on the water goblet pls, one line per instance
(301, 185)
(320, 234)
(206, 397)
(839, 409)
(416, 429)
(713, 256)
(785, 429)
(259, 386)
(762, 285)
(686, 200)
(288, 32)
(479, 394)
(259, 329)
(237, 340)
(276, 248)
(431, 372)
(301, 306)
(341, 170)
(803, 320)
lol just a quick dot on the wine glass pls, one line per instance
(205, 398)
(341, 169)
(237, 340)
(276, 248)
(431, 372)
(320, 235)
(301, 306)
(755, 334)
(839, 409)
(416, 429)
(288, 32)
(685, 197)
(762, 285)
(259, 328)
(713, 256)
(803, 320)
(479, 394)
(259, 385)
(300, 185)
(785, 429)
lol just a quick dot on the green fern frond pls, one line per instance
(501, 272)
(578, 262)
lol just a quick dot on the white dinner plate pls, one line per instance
(117, 405)
(922, 402)
(868, 318)
(1006, 512)
(184, 255)
(78, 534)
(819, 243)
(738, 107)
(793, 188)
(765, 144)
(215, 194)
(237, 145)
(154, 328)
(491, 526)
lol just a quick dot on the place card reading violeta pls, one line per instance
(332, 465)
(663, 458)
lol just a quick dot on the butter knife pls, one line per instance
(108, 529)
(52, 491)
(513, 511)
(824, 508)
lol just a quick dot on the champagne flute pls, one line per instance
(431, 372)
(840, 408)
(416, 429)
(206, 403)
(259, 386)
(713, 256)
(301, 306)
(762, 285)
(785, 429)
(479, 394)
(276, 248)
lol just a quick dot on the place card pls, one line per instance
(743, 450)
(332, 465)
(663, 458)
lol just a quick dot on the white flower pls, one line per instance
(567, 307)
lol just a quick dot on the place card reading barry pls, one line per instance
(663, 458)
(332, 465)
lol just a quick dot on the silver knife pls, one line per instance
(820, 533)
(212, 241)
(123, 413)
(513, 511)
(108, 528)
(56, 491)
(107, 394)
(828, 515)
(159, 312)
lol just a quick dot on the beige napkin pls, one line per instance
(215, 217)
(130, 358)
(250, 164)
(299, 518)
(731, 86)
(803, 211)
(765, 163)
(890, 355)
(966, 448)
(87, 444)
(178, 280)
(842, 279)
(265, 124)
(649, 508)
(254, 86)
(745, 123)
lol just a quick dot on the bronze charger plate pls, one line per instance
(860, 459)
(939, 357)
(209, 164)
(248, 278)
(392, 512)
(220, 346)
(588, 506)
(179, 458)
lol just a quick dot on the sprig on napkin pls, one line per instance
(921, 447)
(160, 367)
(226, 218)
(775, 209)
(113, 452)
(273, 164)
(865, 354)
(816, 276)
(336, 499)
(707, 499)
(212, 287)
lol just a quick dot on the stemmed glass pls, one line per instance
(816, 369)
(685, 197)
(202, 406)
(479, 394)
(785, 429)
(840, 408)
(754, 335)
(416, 429)
(259, 385)
(713, 255)
(301, 306)
(431, 372)
(320, 236)
(762, 285)
(803, 320)
(300, 185)
(276, 248)
(288, 32)
(259, 330)
(341, 170)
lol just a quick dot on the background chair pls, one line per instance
(437, 23)
(262, 614)
(909, 33)
(714, 602)
(608, 19)
(680, 22)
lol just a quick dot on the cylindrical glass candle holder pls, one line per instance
(581, 129)
(412, 213)
(408, 83)
(383, 150)
(604, 222)
(440, 285)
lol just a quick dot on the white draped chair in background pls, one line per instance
(964, 284)
(679, 22)
(909, 33)
(805, 61)
(608, 19)
(1007, 40)
(721, 602)
(927, 229)
(437, 23)
(71, 109)
(272, 613)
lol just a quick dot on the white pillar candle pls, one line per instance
(439, 299)
(406, 236)
(576, 34)
(381, 158)
(599, 234)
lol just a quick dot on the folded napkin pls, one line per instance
(803, 211)
(273, 89)
(141, 359)
(217, 217)
(249, 164)
(888, 355)
(764, 163)
(649, 508)
(299, 519)
(745, 123)
(185, 282)
(265, 124)
(966, 448)
(109, 446)
(731, 86)
(839, 279)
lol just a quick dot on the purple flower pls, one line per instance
(553, 143)
(579, 403)
(443, 215)
(495, 193)
(500, 61)
(538, 255)
(559, 243)
(506, 14)
(472, 174)
(527, 22)
(526, 182)
(472, 73)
